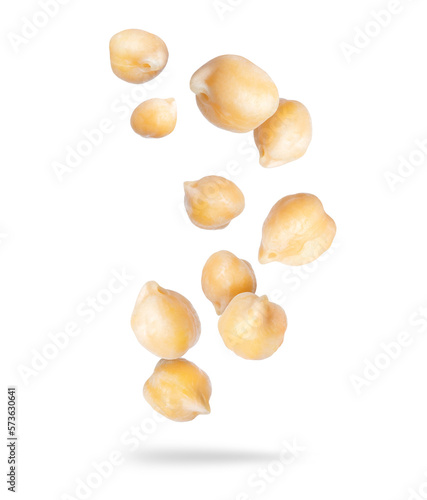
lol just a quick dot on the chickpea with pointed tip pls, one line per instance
(165, 322)
(253, 327)
(284, 137)
(212, 202)
(296, 231)
(179, 390)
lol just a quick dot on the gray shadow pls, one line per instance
(202, 456)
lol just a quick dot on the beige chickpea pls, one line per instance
(212, 202)
(297, 231)
(224, 276)
(154, 118)
(137, 56)
(285, 136)
(234, 94)
(253, 327)
(164, 321)
(178, 390)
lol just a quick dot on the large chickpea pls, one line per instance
(234, 94)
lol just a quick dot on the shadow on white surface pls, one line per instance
(198, 456)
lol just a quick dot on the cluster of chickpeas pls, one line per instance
(233, 94)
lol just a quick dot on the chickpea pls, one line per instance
(234, 94)
(154, 118)
(285, 136)
(212, 202)
(224, 276)
(178, 390)
(137, 56)
(296, 231)
(252, 327)
(164, 321)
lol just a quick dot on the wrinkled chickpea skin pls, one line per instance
(296, 231)
(234, 94)
(164, 321)
(224, 276)
(137, 56)
(212, 202)
(178, 390)
(253, 327)
(284, 137)
(155, 118)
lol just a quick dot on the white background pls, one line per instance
(121, 208)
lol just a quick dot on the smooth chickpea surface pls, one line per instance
(137, 56)
(284, 137)
(234, 94)
(212, 202)
(297, 231)
(165, 322)
(253, 327)
(178, 390)
(224, 276)
(154, 118)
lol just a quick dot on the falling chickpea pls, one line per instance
(234, 94)
(178, 390)
(154, 118)
(212, 202)
(164, 321)
(284, 137)
(137, 56)
(253, 327)
(224, 276)
(296, 231)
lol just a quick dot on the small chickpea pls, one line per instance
(224, 276)
(212, 202)
(234, 94)
(164, 321)
(178, 390)
(137, 56)
(253, 327)
(296, 231)
(285, 136)
(154, 118)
